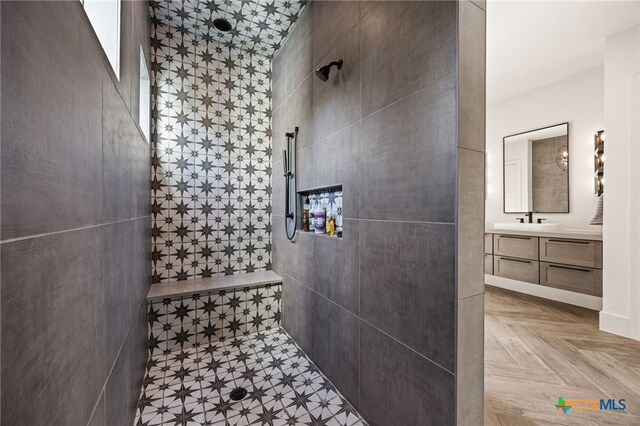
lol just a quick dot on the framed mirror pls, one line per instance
(536, 170)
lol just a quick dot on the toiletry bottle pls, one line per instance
(305, 216)
(331, 224)
(327, 221)
(318, 218)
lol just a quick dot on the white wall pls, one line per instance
(518, 154)
(577, 100)
(621, 231)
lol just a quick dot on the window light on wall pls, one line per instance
(104, 16)
(145, 96)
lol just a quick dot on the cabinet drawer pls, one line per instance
(516, 269)
(488, 264)
(572, 278)
(520, 246)
(488, 243)
(571, 252)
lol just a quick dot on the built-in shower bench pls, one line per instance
(182, 314)
(174, 289)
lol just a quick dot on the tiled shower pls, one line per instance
(211, 181)
(238, 325)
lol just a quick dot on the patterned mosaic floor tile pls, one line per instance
(193, 386)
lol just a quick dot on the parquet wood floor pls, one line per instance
(537, 350)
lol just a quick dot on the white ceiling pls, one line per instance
(534, 43)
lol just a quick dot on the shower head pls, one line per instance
(323, 72)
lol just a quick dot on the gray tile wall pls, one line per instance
(75, 218)
(392, 313)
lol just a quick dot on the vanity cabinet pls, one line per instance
(571, 252)
(516, 269)
(563, 263)
(572, 278)
(520, 246)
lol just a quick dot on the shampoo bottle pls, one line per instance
(305, 217)
(318, 217)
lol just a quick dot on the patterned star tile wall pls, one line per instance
(211, 135)
(259, 26)
(199, 319)
(211, 158)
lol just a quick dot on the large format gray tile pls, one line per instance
(336, 102)
(300, 51)
(305, 168)
(278, 189)
(482, 4)
(408, 157)
(279, 76)
(336, 336)
(400, 387)
(279, 253)
(407, 285)
(51, 120)
(279, 123)
(140, 347)
(297, 307)
(118, 259)
(300, 107)
(141, 273)
(140, 171)
(404, 46)
(336, 160)
(120, 399)
(470, 361)
(336, 273)
(470, 223)
(471, 76)
(117, 155)
(332, 20)
(52, 328)
(98, 416)
(301, 261)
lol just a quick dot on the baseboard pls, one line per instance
(615, 324)
(577, 299)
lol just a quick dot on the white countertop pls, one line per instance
(574, 234)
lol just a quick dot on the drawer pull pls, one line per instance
(515, 237)
(515, 260)
(569, 242)
(569, 268)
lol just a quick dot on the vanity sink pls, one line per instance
(533, 227)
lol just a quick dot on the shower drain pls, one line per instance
(238, 393)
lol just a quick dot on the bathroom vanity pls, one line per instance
(563, 265)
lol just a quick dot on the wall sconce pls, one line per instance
(598, 162)
(562, 158)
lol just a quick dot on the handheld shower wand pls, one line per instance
(288, 162)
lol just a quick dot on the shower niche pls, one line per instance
(321, 211)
